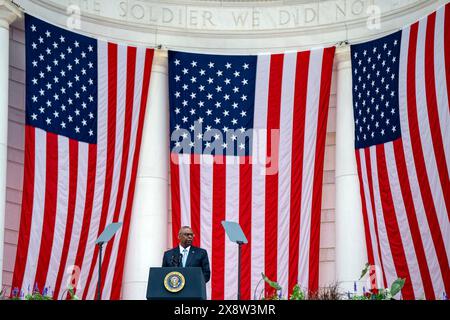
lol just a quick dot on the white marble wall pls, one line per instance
(16, 139)
(327, 227)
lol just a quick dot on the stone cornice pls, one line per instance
(243, 26)
(8, 13)
(227, 18)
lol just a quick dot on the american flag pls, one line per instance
(247, 145)
(401, 86)
(85, 105)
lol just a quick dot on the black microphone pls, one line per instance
(180, 260)
(175, 262)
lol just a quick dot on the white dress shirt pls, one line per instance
(185, 255)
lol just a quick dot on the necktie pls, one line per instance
(184, 257)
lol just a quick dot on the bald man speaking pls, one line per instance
(186, 255)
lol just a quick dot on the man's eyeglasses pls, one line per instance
(188, 234)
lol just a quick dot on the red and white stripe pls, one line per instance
(405, 189)
(275, 194)
(72, 190)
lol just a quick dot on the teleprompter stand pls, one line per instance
(235, 234)
(106, 235)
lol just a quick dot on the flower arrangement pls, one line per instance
(275, 292)
(36, 294)
(378, 293)
(330, 292)
(381, 293)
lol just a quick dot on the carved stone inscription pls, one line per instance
(212, 17)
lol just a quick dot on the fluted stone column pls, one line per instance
(147, 239)
(351, 254)
(8, 13)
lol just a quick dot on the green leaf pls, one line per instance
(271, 283)
(364, 271)
(297, 293)
(397, 286)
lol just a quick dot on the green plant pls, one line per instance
(297, 293)
(274, 295)
(364, 271)
(397, 286)
(72, 294)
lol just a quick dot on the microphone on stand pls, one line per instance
(174, 261)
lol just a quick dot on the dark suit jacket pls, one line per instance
(197, 257)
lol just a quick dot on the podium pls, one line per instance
(174, 283)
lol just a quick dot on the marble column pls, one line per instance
(8, 13)
(147, 239)
(351, 253)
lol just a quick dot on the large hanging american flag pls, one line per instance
(85, 105)
(248, 140)
(401, 86)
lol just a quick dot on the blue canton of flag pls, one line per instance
(61, 81)
(375, 90)
(211, 103)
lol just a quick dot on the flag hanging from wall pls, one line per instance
(401, 86)
(247, 145)
(85, 105)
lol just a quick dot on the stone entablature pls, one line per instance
(230, 25)
(208, 16)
